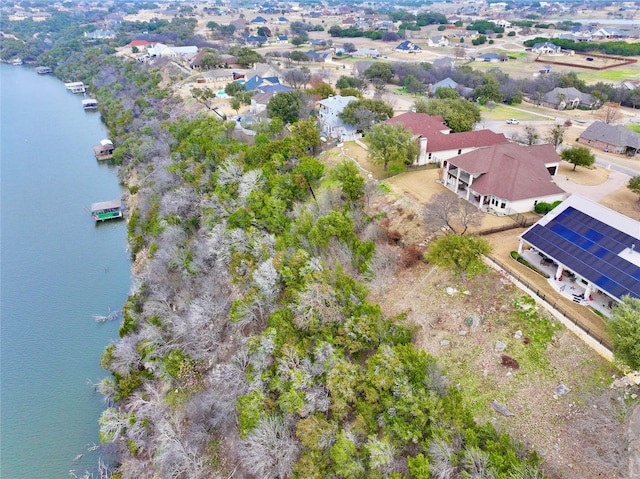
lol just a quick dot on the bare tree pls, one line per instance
(440, 211)
(531, 135)
(271, 449)
(468, 215)
(298, 78)
(555, 135)
(609, 112)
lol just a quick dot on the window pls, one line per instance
(430, 156)
(459, 151)
(502, 205)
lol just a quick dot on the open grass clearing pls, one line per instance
(502, 112)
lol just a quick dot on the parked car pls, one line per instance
(512, 121)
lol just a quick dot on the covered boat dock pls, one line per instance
(107, 210)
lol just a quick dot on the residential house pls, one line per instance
(282, 20)
(408, 47)
(608, 34)
(611, 138)
(255, 40)
(437, 143)
(506, 178)
(349, 22)
(444, 62)
(384, 25)
(162, 50)
(546, 48)
(362, 25)
(100, 34)
(490, 57)
(630, 84)
(259, 21)
(592, 247)
(331, 124)
(259, 102)
(446, 83)
(320, 55)
(281, 39)
(568, 98)
(438, 41)
(258, 82)
(366, 53)
(502, 23)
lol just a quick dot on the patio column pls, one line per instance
(469, 186)
(445, 174)
(457, 181)
(559, 272)
(520, 246)
(587, 290)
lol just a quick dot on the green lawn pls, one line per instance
(635, 128)
(502, 112)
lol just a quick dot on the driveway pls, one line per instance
(615, 181)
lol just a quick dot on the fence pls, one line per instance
(553, 302)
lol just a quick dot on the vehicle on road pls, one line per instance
(512, 121)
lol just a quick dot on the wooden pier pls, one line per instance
(43, 70)
(107, 210)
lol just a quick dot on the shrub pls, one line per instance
(509, 362)
(411, 255)
(543, 208)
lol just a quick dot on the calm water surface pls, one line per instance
(58, 269)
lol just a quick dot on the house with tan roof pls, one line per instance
(437, 143)
(505, 179)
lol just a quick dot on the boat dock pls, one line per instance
(43, 70)
(75, 87)
(90, 104)
(104, 151)
(107, 210)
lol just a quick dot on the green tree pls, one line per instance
(323, 90)
(285, 105)
(462, 253)
(299, 57)
(233, 88)
(579, 156)
(350, 82)
(365, 112)
(352, 182)
(391, 145)
(634, 185)
(459, 115)
(489, 91)
(306, 134)
(624, 329)
(379, 71)
(446, 93)
(247, 57)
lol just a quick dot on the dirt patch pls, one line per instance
(584, 176)
(623, 201)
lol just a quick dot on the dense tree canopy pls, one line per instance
(624, 329)
(285, 105)
(365, 112)
(459, 115)
(391, 145)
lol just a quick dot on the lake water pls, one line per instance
(58, 269)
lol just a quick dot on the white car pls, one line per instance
(512, 121)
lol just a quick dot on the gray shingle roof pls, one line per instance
(612, 134)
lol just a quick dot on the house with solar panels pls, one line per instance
(591, 252)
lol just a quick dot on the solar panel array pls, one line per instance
(591, 249)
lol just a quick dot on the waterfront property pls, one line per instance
(104, 151)
(506, 178)
(43, 70)
(75, 87)
(591, 250)
(107, 210)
